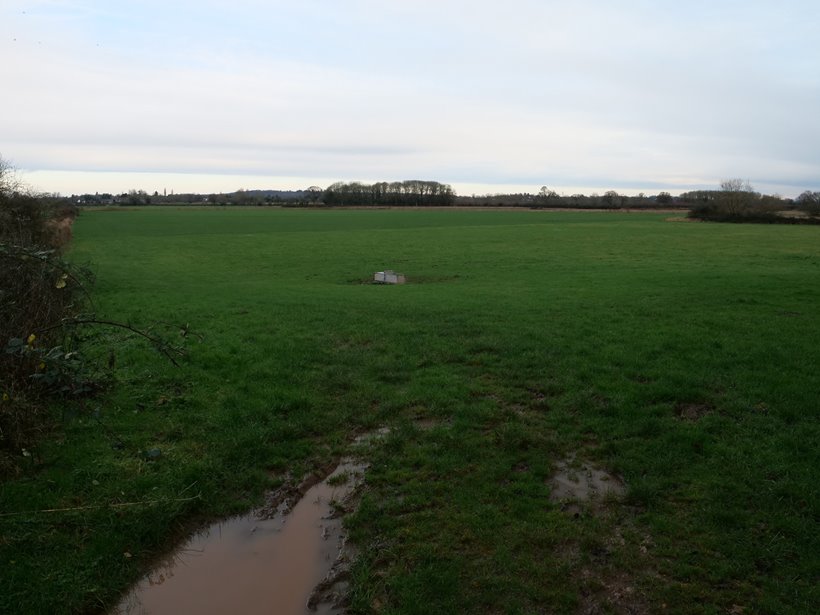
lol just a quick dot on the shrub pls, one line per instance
(38, 292)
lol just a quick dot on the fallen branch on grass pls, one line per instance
(98, 506)
(115, 505)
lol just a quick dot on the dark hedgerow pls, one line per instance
(38, 292)
(44, 307)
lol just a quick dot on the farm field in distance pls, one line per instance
(681, 357)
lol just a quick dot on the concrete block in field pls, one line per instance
(388, 276)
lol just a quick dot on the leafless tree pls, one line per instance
(737, 195)
(9, 181)
(736, 185)
(810, 201)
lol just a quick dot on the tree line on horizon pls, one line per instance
(734, 195)
(735, 200)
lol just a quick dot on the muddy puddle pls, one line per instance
(578, 482)
(257, 563)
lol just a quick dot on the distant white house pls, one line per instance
(388, 276)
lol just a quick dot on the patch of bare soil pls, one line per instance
(427, 424)
(371, 436)
(414, 279)
(692, 412)
(606, 585)
(611, 589)
(581, 487)
(614, 593)
(579, 484)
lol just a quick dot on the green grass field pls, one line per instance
(681, 356)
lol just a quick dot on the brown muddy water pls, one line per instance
(257, 563)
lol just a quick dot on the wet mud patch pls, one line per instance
(375, 436)
(615, 593)
(363, 281)
(616, 572)
(429, 423)
(611, 558)
(692, 412)
(416, 279)
(372, 436)
(291, 556)
(578, 485)
(433, 279)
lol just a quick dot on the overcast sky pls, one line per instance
(580, 96)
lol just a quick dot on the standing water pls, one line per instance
(249, 565)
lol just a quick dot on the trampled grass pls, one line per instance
(682, 357)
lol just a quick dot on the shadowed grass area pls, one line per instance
(682, 357)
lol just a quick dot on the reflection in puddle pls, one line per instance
(247, 565)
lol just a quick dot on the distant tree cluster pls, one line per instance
(412, 193)
(810, 202)
(547, 198)
(248, 198)
(738, 201)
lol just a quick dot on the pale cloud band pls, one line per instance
(592, 95)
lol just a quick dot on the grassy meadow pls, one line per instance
(682, 357)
